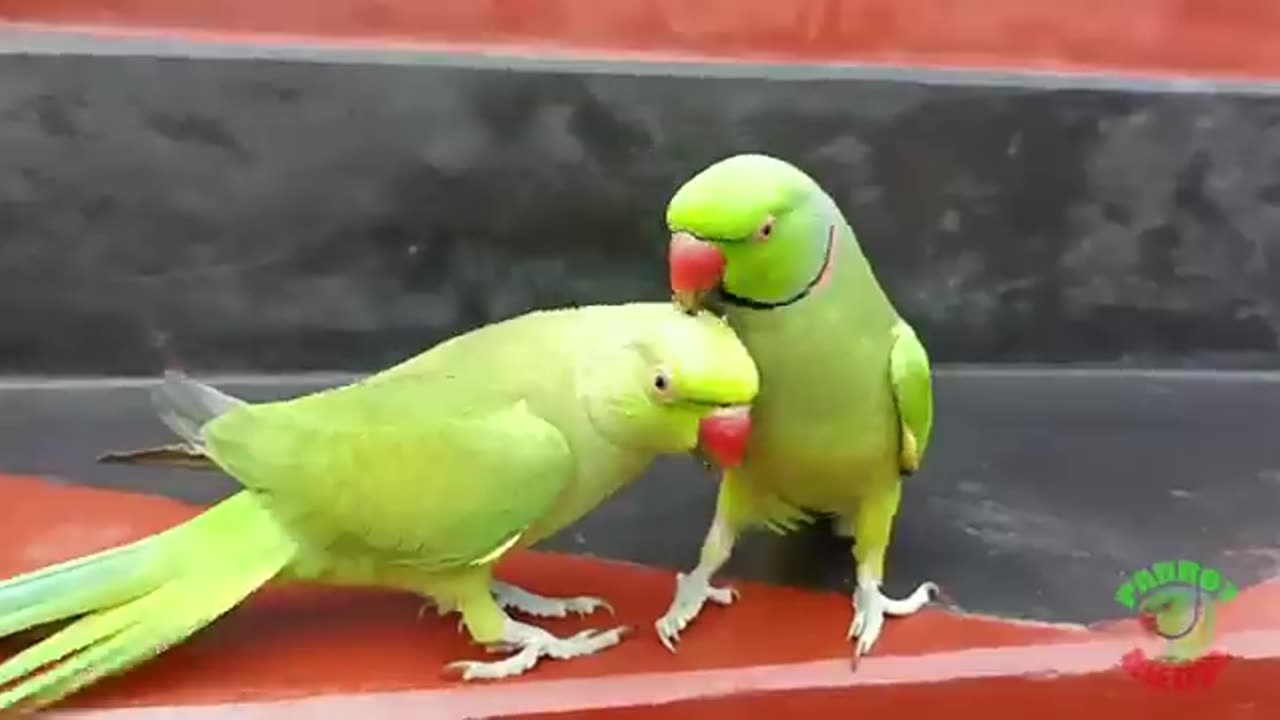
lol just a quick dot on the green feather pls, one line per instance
(846, 408)
(421, 478)
(139, 599)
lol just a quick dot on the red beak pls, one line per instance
(724, 435)
(696, 266)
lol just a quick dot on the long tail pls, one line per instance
(135, 600)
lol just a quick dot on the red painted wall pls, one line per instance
(1214, 37)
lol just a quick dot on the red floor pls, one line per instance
(334, 653)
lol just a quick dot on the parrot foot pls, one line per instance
(533, 643)
(871, 606)
(441, 609)
(692, 592)
(509, 596)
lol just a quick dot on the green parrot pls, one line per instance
(419, 478)
(1182, 615)
(846, 402)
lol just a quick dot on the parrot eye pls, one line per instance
(765, 230)
(662, 382)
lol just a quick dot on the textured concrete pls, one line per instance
(256, 214)
(1042, 491)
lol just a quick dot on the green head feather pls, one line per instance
(771, 221)
(706, 361)
(672, 370)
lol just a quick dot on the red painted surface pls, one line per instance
(777, 650)
(1244, 691)
(1231, 37)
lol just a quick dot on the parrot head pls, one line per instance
(1168, 611)
(683, 383)
(1182, 616)
(752, 228)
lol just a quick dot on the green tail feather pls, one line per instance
(99, 580)
(140, 599)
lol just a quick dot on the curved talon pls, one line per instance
(583, 606)
(668, 636)
(510, 596)
(691, 595)
(531, 644)
(871, 606)
(723, 595)
(476, 670)
(920, 597)
(945, 598)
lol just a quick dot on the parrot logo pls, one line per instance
(1176, 601)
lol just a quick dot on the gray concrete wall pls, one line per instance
(259, 213)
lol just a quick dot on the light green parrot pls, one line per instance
(419, 478)
(1182, 615)
(846, 404)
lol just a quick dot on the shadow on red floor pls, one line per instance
(303, 652)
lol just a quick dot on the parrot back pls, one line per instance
(478, 442)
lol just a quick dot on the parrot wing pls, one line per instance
(913, 392)
(425, 470)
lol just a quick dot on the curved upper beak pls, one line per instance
(724, 435)
(696, 267)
